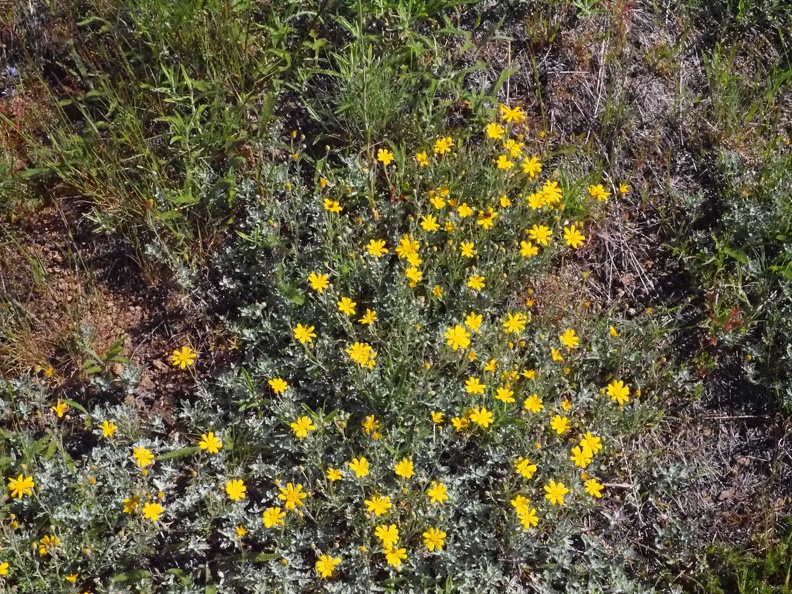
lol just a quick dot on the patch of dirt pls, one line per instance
(68, 291)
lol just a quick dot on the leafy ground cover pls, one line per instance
(395, 296)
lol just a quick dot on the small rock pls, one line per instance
(726, 494)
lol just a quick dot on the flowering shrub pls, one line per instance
(414, 413)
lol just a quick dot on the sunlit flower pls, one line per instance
(613, 332)
(346, 306)
(131, 505)
(273, 516)
(495, 131)
(108, 428)
(624, 188)
(559, 424)
(569, 339)
(143, 457)
(476, 282)
(359, 466)
(235, 489)
(437, 417)
(556, 355)
(581, 456)
(504, 163)
(434, 539)
(460, 423)
(378, 505)
(618, 392)
(505, 394)
(551, 192)
(370, 424)
(520, 504)
(592, 441)
(525, 468)
(240, 531)
(414, 275)
(528, 518)
(407, 248)
(481, 416)
(599, 192)
(514, 148)
(486, 219)
(443, 145)
(515, 323)
(464, 210)
(395, 556)
(21, 486)
(278, 385)
(292, 496)
(473, 321)
(422, 158)
(60, 408)
(332, 206)
(573, 237)
(429, 223)
(47, 543)
(183, 358)
(376, 247)
(384, 156)
(388, 535)
(302, 426)
(305, 334)
(152, 511)
(540, 234)
(531, 166)
(594, 488)
(555, 493)
(360, 353)
(512, 115)
(536, 200)
(404, 469)
(319, 282)
(210, 442)
(437, 493)
(326, 565)
(457, 337)
(474, 386)
(527, 249)
(533, 403)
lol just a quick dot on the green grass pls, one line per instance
(767, 570)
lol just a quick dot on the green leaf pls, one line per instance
(67, 459)
(180, 453)
(51, 449)
(74, 404)
(183, 577)
(739, 256)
